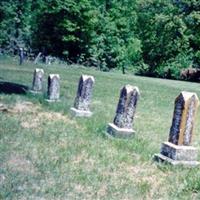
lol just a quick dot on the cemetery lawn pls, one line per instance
(47, 154)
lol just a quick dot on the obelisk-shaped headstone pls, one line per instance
(123, 121)
(53, 92)
(38, 77)
(83, 97)
(178, 149)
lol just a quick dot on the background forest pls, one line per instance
(152, 37)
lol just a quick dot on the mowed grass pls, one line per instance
(47, 154)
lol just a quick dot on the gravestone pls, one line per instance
(178, 149)
(37, 58)
(38, 77)
(53, 92)
(123, 121)
(83, 97)
(21, 56)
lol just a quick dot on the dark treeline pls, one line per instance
(153, 37)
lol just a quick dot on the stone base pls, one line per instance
(35, 92)
(115, 131)
(52, 100)
(161, 158)
(177, 155)
(80, 113)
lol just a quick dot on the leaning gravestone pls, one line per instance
(53, 92)
(37, 58)
(38, 77)
(123, 121)
(178, 149)
(83, 97)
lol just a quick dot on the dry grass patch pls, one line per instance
(84, 159)
(20, 164)
(32, 115)
(81, 192)
(55, 116)
(19, 107)
(39, 117)
(31, 123)
(36, 119)
(146, 174)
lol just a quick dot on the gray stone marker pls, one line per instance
(178, 149)
(53, 92)
(123, 121)
(38, 77)
(83, 97)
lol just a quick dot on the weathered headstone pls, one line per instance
(83, 97)
(123, 121)
(37, 58)
(53, 92)
(21, 56)
(38, 77)
(178, 149)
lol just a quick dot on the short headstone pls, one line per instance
(178, 149)
(53, 92)
(21, 56)
(83, 97)
(123, 121)
(38, 77)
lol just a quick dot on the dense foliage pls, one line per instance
(152, 37)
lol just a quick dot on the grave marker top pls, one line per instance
(53, 87)
(126, 107)
(84, 92)
(181, 131)
(38, 79)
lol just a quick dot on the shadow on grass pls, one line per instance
(12, 88)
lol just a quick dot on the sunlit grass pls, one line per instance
(47, 154)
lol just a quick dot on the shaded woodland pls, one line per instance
(151, 37)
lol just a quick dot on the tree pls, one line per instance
(163, 35)
(101, 33)
(15, 23)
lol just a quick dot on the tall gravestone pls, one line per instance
(123, 121)
(38, 78)
(83, 97)
(178, 149)
(53, 92)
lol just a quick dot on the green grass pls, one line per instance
(47, 154)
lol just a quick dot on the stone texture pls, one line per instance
(80, 113)
(181, 130)
(38, 77)
(178, 149)
(115, 131)
(123, 121)
(162, 158)
(53, 92)
(83, 96)
(176, 152)
(126, 107)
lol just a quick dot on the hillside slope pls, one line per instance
(47, 154)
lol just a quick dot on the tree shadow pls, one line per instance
(12, 88)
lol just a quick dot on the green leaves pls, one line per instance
(106, 33)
